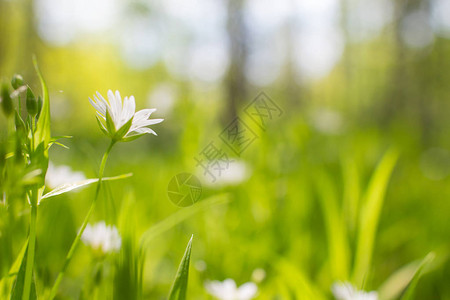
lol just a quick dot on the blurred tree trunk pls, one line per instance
(395, 88)
(409, 88)
(235, 82)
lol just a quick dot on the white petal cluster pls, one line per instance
(227, 290)
(346, 291)
(102, 237)
(59, 175)
(121, 114)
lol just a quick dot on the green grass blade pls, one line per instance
(16, 293)
(7, 281)
(370, 214)
(179, 287)
(351, 194)
(403, 279)
(67, 187)
(409, 292)
(43, 133)
(338, 248)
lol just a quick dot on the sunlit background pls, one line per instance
(353, 78)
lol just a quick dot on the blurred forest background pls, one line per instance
(353, 78)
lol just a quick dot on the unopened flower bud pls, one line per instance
(32, 104)
(17, 81)
(39, 106)
(7, 104)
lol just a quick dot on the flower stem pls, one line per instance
(33, 197)
(31, 247)
(85, 222)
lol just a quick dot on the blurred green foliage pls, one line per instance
(313, 210)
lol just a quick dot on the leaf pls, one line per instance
(67, 187)
(110, 127)
(338, 248)
(16, 293)
(351, 193)
(54, 140)
(403, 279)
(179, 287)
(7, 281)
(43, 133)
(409, 292)
(132, 137)
(102, 127)
(123, 130)
(370, 214)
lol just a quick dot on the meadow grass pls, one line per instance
(309, 224)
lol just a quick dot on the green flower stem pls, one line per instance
(83, 226)
(31, 246)
(33, 196)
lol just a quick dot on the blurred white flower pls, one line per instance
(327, 121)
(227, 290)
(127, 123)
(346, 291)
(258, 275)
(231, 173)
(59, 175)
(200, 265)
(163, 97)
(102, 237)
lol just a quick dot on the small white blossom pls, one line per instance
(327, 121)
(231, 174)
(346, 291)
(127, 123)
(258, 275)
(227, 290)
(59, 175)
(102, 237)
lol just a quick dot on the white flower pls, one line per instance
(164, 97)
(102, 237)
(258, 275)
(346, 291)
(227, 290)
(327, 121)
(127, 124)
(231, 173)
(59, 175)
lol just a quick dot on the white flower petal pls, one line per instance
(131, 107)
(102, 103)
(144, 114)
(94, 104)
(141, 131)
(247, 291)
(147, 122)
(346, 291)
(103, 237)
(114, 108)
(227, 290)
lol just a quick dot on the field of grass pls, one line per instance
(312, 210)
(328, 188)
